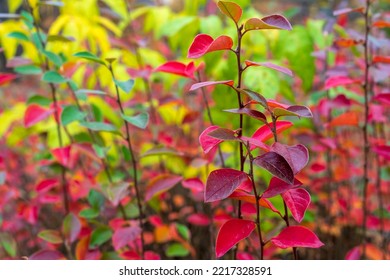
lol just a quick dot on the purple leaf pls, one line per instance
(276, 165)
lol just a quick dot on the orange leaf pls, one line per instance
(348, 118)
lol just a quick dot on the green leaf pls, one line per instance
(53, 77)
(176, 250)
(126, 153)
(37, 39)
(140, 120)
(18, 35)
(55, 59)
(28, 19)
(59, 38)
(99, 236)
(183, 230)
(70, 114)
(51, 236)
(28, 70)
(89, 213)
(89, 56)
(126, 86)
(95, 199)
(8, 243)
(101, 152)
(99, 126)
(40, 100)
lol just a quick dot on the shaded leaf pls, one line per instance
(71, 114)
(126, 86)
(206, 84)
(51, 236)
(223, 182)
(297, 201)
(296, 236)
(141, 120)
(276, 165)
(71, 227)
(124, 236)
(99, 126)
(89, 56)
(270, 65)
(223, 134)
(277, 186)
(232, 232)
(249, 112)
(47, 255)
(268, 22)
(53, 77)
(255, 96)
(204, 43)
(295, 110)
(28, 70)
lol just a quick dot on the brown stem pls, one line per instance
(366, 145)
(127, 138)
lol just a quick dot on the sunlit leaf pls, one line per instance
(296, 236)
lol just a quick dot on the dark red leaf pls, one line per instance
(232, 232)
(124, 236)
(223, 182)
(178, 68)
(277, 186)
(204, 43)
(254, 143)
(268, 22)
(6, 78)
(35, 114)
(383, 98)
(296, 156)
(207, 142)
(297, 201)
(211, 83)
(161, 184)
(338, 81)
(62, 155)
(276, 165)
(301, 111)
(271, 66)
(249, 112)
(224, 134)
(230, 9)
(296, 236)
(46, 185)
(47, 255)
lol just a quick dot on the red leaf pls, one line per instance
(71, 227)
(62, 155)
(161, 184)
(277, 186)
(152, 256)
(297, 156)
(353, 254)
(383, 98)
(194, 184)
(297, 201)
(296, 236)
(198, 219)
(268, 22)
(271, 66)
(178, 68)
(47, 255)
(211, 83)
(276, 165)
(264, 133)
(35, 114)
(348, 10)
(224, 134)
(6, 78)
(347, 118)
(223, 182)
(381, 59)
(254, 143)
(204, 43)
(207, 142)
(338, 81)
(46, 185)
(232, 232)
(382, 150)
(124, 236)
(230, 9)
(300, 111)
